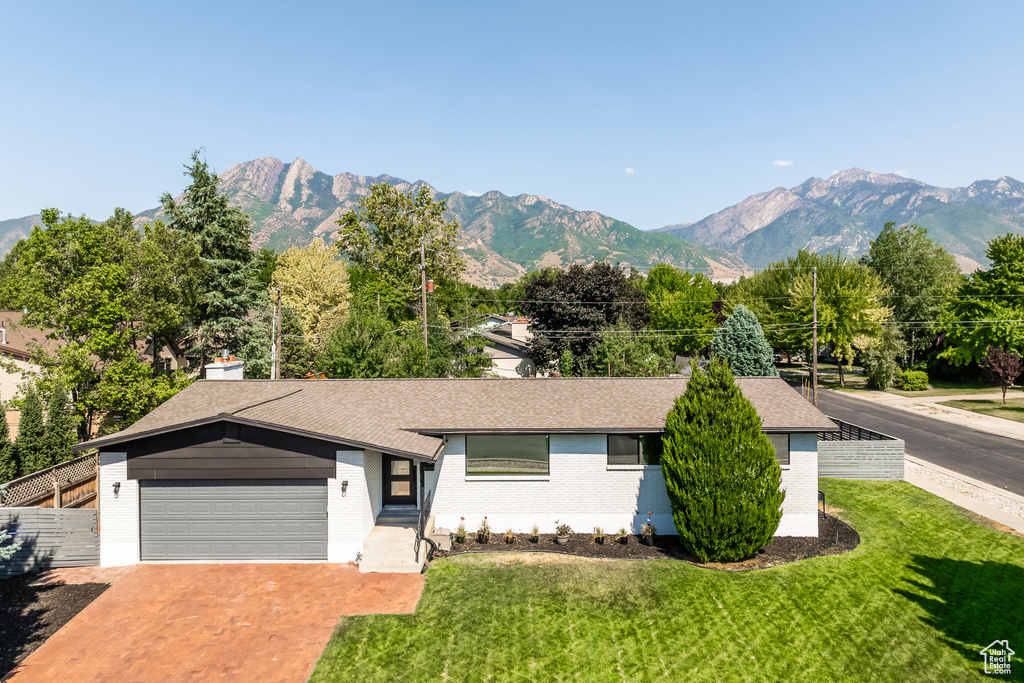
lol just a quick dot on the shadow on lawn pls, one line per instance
(970, 603)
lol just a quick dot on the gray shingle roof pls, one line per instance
(407, 416)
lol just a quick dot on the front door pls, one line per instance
(399, 481)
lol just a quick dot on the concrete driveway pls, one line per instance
(252, 622)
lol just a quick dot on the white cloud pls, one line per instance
(630, 171)
(782, 162)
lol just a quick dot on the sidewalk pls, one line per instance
(1002, 507)
(928, 406)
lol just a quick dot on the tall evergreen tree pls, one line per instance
(8, 455)
(227, 287)
(33, 451)
(741, 342)
(720, 470)
(60, 426)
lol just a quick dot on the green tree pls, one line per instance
(227, 288)
(988, 310)
(60, 426)
(167, 282)
(363, 345)
(850, 311)
(769, 296)
(567, 363)
(920, 276)
(880, 357)
(682, 304)
(622, 352)
(314, 284)
(9, 466)
(130, 390)
(721, 475)
(570, 307)
(264, 264)
(741, 342)
(8, 551)
(31, 444)
(385, 233)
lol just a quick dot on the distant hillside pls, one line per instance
(849, 209)
(16, 229)
(502, 236)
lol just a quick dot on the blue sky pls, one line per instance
(102, 102)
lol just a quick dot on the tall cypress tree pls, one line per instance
(227, 289)
(60, 426)
(31, 442)
(741, 342)
(8, 456)
(720, 471)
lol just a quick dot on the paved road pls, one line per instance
(996, 460)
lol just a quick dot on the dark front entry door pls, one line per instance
(399, 481)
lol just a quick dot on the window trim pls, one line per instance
(515, 475)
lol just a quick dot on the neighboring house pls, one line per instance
(18, 344)
(305, 470)
(508, 345)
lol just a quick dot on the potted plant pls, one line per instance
(598, 535)
(535, 534)
(460, 533)
(647, 531)
(510, 537)
(483, 534)
(623, 536)
(562, 532)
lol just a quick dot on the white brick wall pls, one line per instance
(800, 481)
(584, 491)
(347, 512)
(119, 513)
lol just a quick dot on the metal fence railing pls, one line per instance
(852, 432)
(421, 524)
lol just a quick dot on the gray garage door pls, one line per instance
(234, 520)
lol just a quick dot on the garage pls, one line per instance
(233, 519)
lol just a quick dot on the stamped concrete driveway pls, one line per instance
(252, 622)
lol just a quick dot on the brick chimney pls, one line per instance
(225, 366)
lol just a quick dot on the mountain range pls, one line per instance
(504, 236)
(846, 211)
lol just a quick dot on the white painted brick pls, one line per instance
(350, 514)
(119, 513)
(584, 492)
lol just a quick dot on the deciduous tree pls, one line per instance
(1003, 368)
(314, 284)
(682, 305)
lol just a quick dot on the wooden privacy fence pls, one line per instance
(50, 538)
(70, 484)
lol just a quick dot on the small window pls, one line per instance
(518, 454)
(231, 432)
(634, 449)
(781, 443)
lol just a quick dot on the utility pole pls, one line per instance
(423, 292)
(814, 336)
(277, 341)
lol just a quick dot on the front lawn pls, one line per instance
(925, 591)
(1012, 410)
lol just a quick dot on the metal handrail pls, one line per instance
(421, 525)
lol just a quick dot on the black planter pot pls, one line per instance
(599, 540)
(561, 540)
(482, 538)
(647, 540)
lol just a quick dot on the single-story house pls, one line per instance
(305, 469)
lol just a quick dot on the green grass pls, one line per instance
(1012, 410)
(927, 589)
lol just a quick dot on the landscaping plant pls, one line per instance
(483, 534)
(623, 536)
(720, 470)
(460, 532)
(1002, 367)
(8, 551)
(510, 537)
(535, 534)
(740, 340)
(598, 535)
(913, 380)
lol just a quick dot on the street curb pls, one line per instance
(1005, 501)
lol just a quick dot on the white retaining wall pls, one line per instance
(119, 512)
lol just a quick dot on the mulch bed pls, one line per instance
(31, 614)
(834, 537)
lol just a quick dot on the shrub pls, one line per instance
(879, 358)
(562, 529)
(914, 380)
(720, 471)
(648, 529)
(598, 535)
(484, 532)
(622, 536)
(460, 533)
(535, 533)
(8, 551)
(510, 537)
